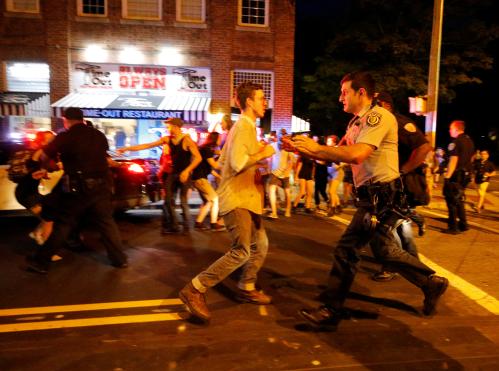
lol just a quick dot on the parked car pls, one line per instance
(130, 186)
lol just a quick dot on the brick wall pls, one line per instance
(58, 37)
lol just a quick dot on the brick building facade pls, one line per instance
(58, 34)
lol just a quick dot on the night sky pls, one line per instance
(475, 104)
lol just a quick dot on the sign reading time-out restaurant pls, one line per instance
(156, 80)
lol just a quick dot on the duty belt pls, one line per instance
(367, 191)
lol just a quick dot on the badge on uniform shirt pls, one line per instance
(451, 146)
(410, 127)
(373, 119)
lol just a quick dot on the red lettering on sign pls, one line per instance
(147, 83)
(135, 81)
(123, 81)
(160, 83)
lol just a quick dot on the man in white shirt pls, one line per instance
(241, 205)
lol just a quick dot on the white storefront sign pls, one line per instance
(131, 79)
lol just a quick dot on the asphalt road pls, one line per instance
(131, 319)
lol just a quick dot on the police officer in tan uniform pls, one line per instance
(372, 150)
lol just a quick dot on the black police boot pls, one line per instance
(36, 265)
(433, 290)
(322, 317)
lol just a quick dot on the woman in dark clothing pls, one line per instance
(484, 170)
(321, 178)
(27, 188)
(305, 168)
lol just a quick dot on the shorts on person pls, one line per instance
(280, 182)
(205, 189)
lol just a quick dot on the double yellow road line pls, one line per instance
(58, 321)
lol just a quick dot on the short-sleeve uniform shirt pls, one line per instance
(377, 127)
(82, 149)
(463, 148)
(410, 137)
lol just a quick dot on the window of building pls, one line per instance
(191, 11)
(93, 8)
(23, 6)
(254, 13)
(142, 9)
(265, 78)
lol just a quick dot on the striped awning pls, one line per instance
(191, 109)
(25, 104)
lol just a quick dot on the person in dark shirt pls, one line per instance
(483, 172)
(183, 157)
(457, 176)
(201, 183)
(85, 191)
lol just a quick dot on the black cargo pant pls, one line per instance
(386, 248)
(454, 198)
(94, 205)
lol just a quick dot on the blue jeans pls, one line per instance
(248, 249)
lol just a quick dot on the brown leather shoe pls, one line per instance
(432, 292)
(195, 302)
(254, 297)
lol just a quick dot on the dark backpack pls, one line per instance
(19, 165)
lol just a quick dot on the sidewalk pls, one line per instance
(491, 203)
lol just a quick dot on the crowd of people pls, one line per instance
(384, 164)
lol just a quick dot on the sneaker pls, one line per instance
(37, 236)
(254, 297)
(215, 227)
(383, 276)
(195, 302)
(120, 264)
(272, 216)
(322, 317)
(432, 292)
(165, 230)
(200, 226)
(37, 266)
(55, 258)
(421, 230)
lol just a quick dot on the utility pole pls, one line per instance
(434, 71)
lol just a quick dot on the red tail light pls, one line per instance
(135, 168)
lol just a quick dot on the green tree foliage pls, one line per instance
(391, 39)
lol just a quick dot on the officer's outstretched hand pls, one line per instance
(305, 145)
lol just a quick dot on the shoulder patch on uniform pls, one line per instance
(410, 127)
(451, 146)
(373, 119)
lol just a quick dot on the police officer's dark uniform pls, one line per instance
(85, 191)
(454, 187)
(411, 138)
(378, 202)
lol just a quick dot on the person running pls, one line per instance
(241, 204)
